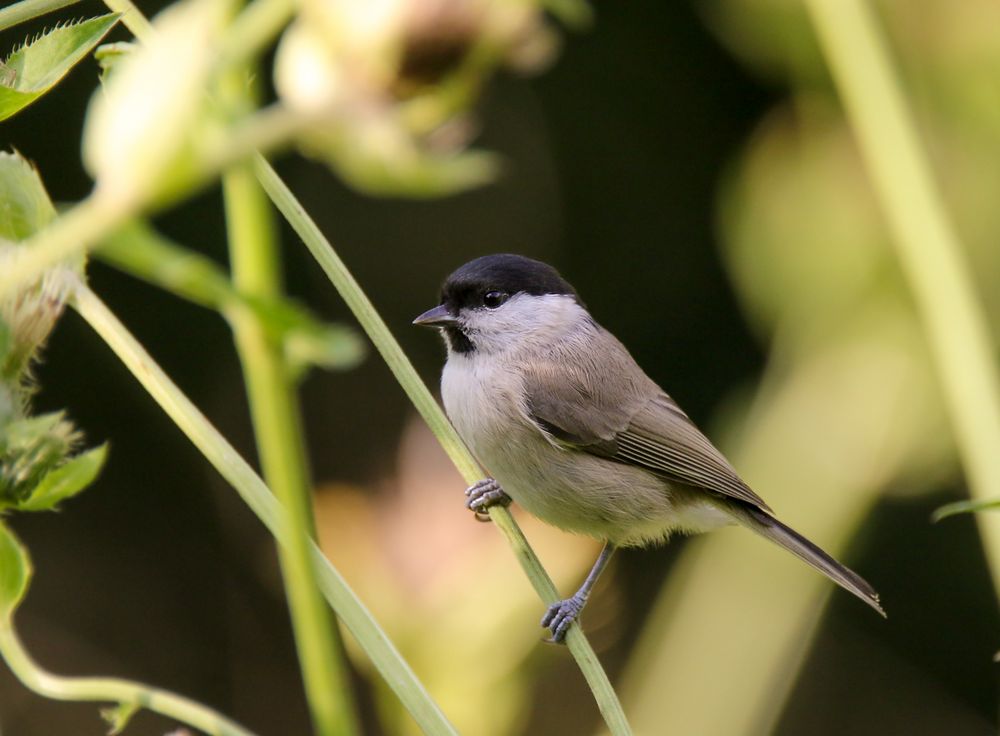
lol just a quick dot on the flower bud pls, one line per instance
(138, 132)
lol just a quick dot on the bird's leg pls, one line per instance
(484, 494)
(562, 613)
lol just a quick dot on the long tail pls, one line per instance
(769, 527)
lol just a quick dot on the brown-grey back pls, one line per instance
(589, 394)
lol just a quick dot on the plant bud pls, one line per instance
(139, 130)
(389, 84)
(26, 319)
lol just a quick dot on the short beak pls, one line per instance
(435, 317)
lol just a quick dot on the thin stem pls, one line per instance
(110, 689)
(258, 497)
(88, 222)
(28, 9)
(132, 18)
(428, 408)
(926, 244)
(255, 27)
(256, 267)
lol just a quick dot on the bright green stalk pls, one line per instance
(88, 222)
(258, 24)
(271, 391)
(428, 408)
(28, 9)
(111, 689)
(225, 459)
(132, 18)
(926, 244)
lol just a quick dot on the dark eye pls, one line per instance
(493, 299)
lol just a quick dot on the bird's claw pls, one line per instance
(560, 615)
(484, 494)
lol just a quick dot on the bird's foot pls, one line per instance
(484, 494)
(560, 615)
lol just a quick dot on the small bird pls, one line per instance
(566, 422)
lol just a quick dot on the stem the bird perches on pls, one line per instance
(402, 369)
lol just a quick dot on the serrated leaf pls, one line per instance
(25, 207)
(118, 716)
(66, 481)
(15, 573)
(33, 69)
(965, 507)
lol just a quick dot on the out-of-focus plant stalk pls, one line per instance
(258, 24)
(926, 244)
(132, 18)
(428, 408)
(88, 222)
(225, 459)
(271, 390)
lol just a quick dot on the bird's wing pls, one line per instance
(633, 422)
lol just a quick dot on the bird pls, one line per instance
(569, 427)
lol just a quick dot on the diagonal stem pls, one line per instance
(428, 408)
(258, 497)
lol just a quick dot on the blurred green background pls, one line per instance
(687, 168)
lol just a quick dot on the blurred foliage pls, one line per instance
(138, 249)
(389, 85)
(457, 604)
(849, 406)
(847, 410)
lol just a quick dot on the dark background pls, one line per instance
(612, 163)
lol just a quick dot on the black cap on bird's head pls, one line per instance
(487, 283)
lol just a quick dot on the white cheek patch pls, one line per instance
(524, 320)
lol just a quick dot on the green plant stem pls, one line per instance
(132, 18)
(110, 689)
(88, 222)
(428, 408)
(255, 27)
(279, 440)
(258, 497)
(28, 9)
(256, 269)
(926, 244)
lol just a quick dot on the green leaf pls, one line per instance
(118, 716)
(307, 341)
(25, 207)
(30, 449)
(417, 174)
(15, 572)
(66, 481)
(576, 14)
(140, 250)
(36, 67)
(965, 507)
